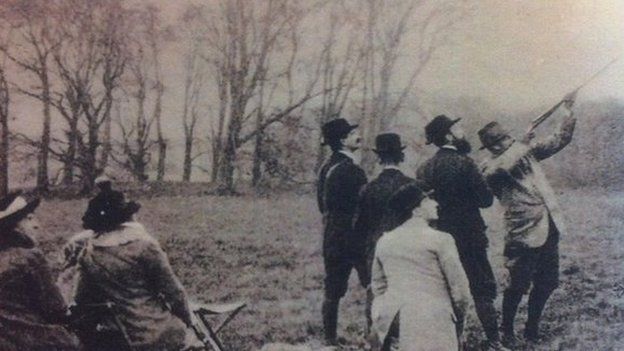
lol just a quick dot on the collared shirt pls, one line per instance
(350, 155)
(449, 146)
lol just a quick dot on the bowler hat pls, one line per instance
(14, 207)
(336, 129)
(439, 126)
(491, 134)
(388, 143)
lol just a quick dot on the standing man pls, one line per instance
(461, 191)
(340, 181)
(371, 220)
(532, 218)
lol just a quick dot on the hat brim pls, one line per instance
(20, 214)
(390, 151)
(486, 146)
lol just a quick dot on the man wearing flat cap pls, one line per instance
(533, 220)
(372, 219)
(461, 191)
(340, 181)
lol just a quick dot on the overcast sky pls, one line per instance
(525, 53)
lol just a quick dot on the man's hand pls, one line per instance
(569, 100)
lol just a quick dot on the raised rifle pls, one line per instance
(569, 98)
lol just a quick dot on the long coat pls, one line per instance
(372, 219)
(519, 183)
(417, 273)
(339, 185)
(460, 191)
(31, 307)
(128, 268)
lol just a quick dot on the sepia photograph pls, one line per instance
(311, 175)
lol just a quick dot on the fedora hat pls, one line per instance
(388, 143)
(491, 134)
(439, 126)
(14, 207)
(336, 129)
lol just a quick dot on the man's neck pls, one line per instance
(347, 153)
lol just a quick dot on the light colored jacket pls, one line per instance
(128, 268)
(519, 183)
(417, 273)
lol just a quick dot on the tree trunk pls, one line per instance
(42, 167)
(256, 173)
(162, 156)
(70, 156)
(106, 143)
(188, 161)
(4, 133)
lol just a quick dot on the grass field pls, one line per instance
(267, 251)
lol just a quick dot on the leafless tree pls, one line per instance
(391, 28)
(90, 63)
(194, 79)
(34, 43)
(243, 37)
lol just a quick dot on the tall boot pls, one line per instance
(368, 309)
(537, 302)
(511, 300)
(330, 320)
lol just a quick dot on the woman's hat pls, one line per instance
(491, 134)
(388, 143)
(336, 129)
(439, 126)
(108, 210)
(14, 207)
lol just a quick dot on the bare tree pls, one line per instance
(32, 23)
(91, 62)
(388, 27)
(243, 37)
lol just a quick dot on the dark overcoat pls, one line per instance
(339, 185)
(460, 190)
(372, 219)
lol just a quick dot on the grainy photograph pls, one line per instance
(311, 175)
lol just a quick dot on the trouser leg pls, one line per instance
(330, 320)
(489, 320)
(511, 300)
(537, 302)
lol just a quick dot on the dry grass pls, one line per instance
(267, 251)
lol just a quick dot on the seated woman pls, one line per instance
(32, 311)
(417, 280)
(127, 296)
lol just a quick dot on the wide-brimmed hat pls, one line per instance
(388, 143)
(14, 207)
(406, 198)
(336, 129)
(108, 210)
(491, 134)
(439, 126)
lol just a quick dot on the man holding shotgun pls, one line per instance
(532, 218)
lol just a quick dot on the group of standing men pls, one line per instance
(355, 215)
